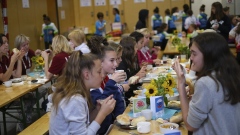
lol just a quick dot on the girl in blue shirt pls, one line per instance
(116, 14)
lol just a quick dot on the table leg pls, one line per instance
(23, 113)
(37, 100)
(4, 121)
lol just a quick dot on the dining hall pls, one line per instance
(120, 67)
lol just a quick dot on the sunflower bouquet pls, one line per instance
(161, 86)
(38, 61)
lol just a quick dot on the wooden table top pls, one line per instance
(170, 50)
(14, 92)
(154, 128)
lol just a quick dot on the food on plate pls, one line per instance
(15, 50)
(177, 118)
(29, 79)
(123, 119)
(161, 121)
(133, 79)
(174, 104)
(138, 119)
(137, 92)
(169, 126)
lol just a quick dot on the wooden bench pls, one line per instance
(39, 127)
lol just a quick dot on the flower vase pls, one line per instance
(38, 68)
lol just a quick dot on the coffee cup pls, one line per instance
(149, 67)
(143, 127)
(24, 77)
(147, 114)
(8, 83)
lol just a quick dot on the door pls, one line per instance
(131, 10)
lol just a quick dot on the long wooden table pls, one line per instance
(170, 50)
(154, 128)
(17, 91)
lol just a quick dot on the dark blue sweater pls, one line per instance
(109, 89)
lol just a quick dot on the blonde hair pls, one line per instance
(78, 36)
(144, 31)
(116, 47)
(20, 39)
(71, 81)
(60, 44)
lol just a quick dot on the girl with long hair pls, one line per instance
(61, 52)
(218, 21)
(108, 87)
(72, 100)
(216, 99)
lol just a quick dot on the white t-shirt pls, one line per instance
(190, 20)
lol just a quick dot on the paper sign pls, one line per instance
(85, 3)
(115, 2)
(157, 106)
(116, 26)
(139, 1)
(62, 14)
(158, 0)
(25, 3)
(100, 2)
(139, 104)
(59, 3)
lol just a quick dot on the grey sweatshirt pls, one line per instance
(72, 118)
(209, 113)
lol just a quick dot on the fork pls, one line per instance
(127, 132)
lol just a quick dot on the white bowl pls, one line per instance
(165, 127)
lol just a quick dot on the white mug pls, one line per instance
(147, 114)
(8, 83)
(116, 71)
(143, 127)
(149, 67)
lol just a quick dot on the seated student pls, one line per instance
(77, 39)
(169, 21)
(235, 34)
(192, 29)
(61, 52)
(191, 19)
(22, 43)
(118, 49)
(216, 97)
(72, 101)
(162, 33)
(100, 25)
(130, 65)
(7, 70)
(145, 54)
(108, 85)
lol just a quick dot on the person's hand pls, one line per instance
(21, 54)
(45, 55)
(126, 87)
(118, 77)
(157, 61)
(15, 57)
(107, 106)
(215, 26)
(179, 71)
(142, 72)
(38, 52)
(144, 64)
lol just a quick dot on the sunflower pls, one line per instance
(151, 90)
(40, 60)
(169, 90)
(153, 82)
(170, 80)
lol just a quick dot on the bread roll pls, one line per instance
(15, 50)
(133, 79)
(138, 119)
(174, 104)
(123, 119)
(177, 118)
